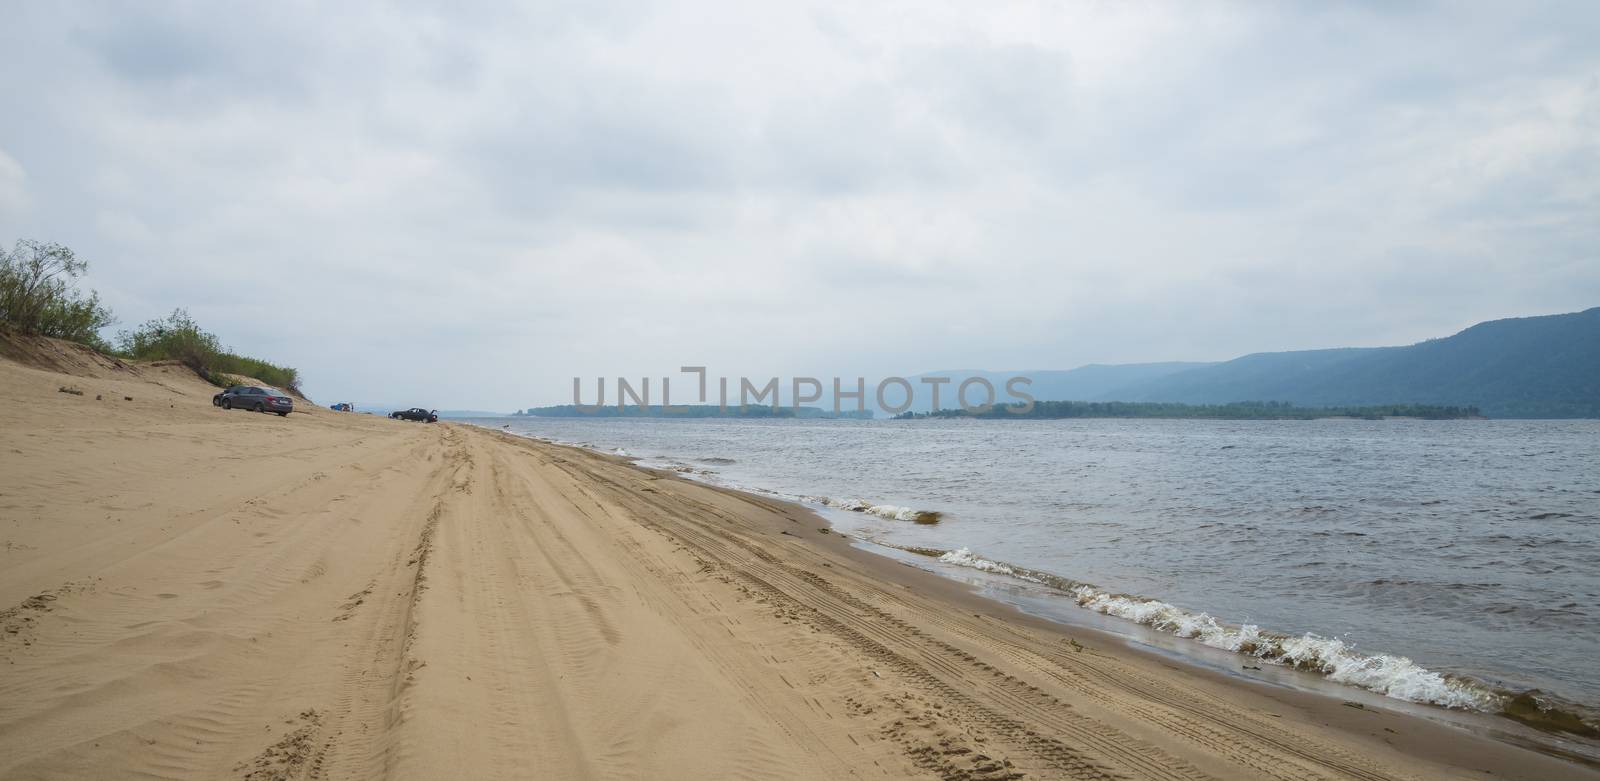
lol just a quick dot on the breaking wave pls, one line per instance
(892, 512)
(1391, 676)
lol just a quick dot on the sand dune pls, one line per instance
(192, 593)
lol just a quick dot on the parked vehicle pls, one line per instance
(256, 399)
(216, 401)
(416, 413)
(343, 406)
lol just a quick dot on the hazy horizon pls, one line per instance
(467, 208)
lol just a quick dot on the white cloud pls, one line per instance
(481, 204)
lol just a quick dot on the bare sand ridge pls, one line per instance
(192, 593)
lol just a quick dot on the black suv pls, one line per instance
(416, 413)
(255, 398)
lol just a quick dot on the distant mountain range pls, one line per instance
(1526, 367)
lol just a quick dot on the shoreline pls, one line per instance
(1060, 607)
(1313, 663)
(190, 592)
(1523, 730)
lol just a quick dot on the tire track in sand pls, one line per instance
(1097, 751)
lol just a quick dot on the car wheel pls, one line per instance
(260, 408)
(283, 414)
(227, 403)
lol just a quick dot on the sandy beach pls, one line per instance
(192, 593)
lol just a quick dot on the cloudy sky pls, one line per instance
(469, 207)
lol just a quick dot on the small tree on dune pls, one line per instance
(39, 294)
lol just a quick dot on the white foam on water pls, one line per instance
(1392, 676)
(892, 512)
(963, 557)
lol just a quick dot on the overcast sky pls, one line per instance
(469, 207)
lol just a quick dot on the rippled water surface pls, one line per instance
(1472, 547)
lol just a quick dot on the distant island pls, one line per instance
(690, 411)
(1244, 410)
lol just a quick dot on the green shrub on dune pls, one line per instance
(178, 338)
(39, 296)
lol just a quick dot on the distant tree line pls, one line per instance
(1240, 410)
(685, 411)
(39, 296)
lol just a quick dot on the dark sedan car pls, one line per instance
(416, 413)
(255, 398)
(216, 401)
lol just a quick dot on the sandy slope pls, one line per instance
(200, 594)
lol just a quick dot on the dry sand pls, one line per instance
(193, 593)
